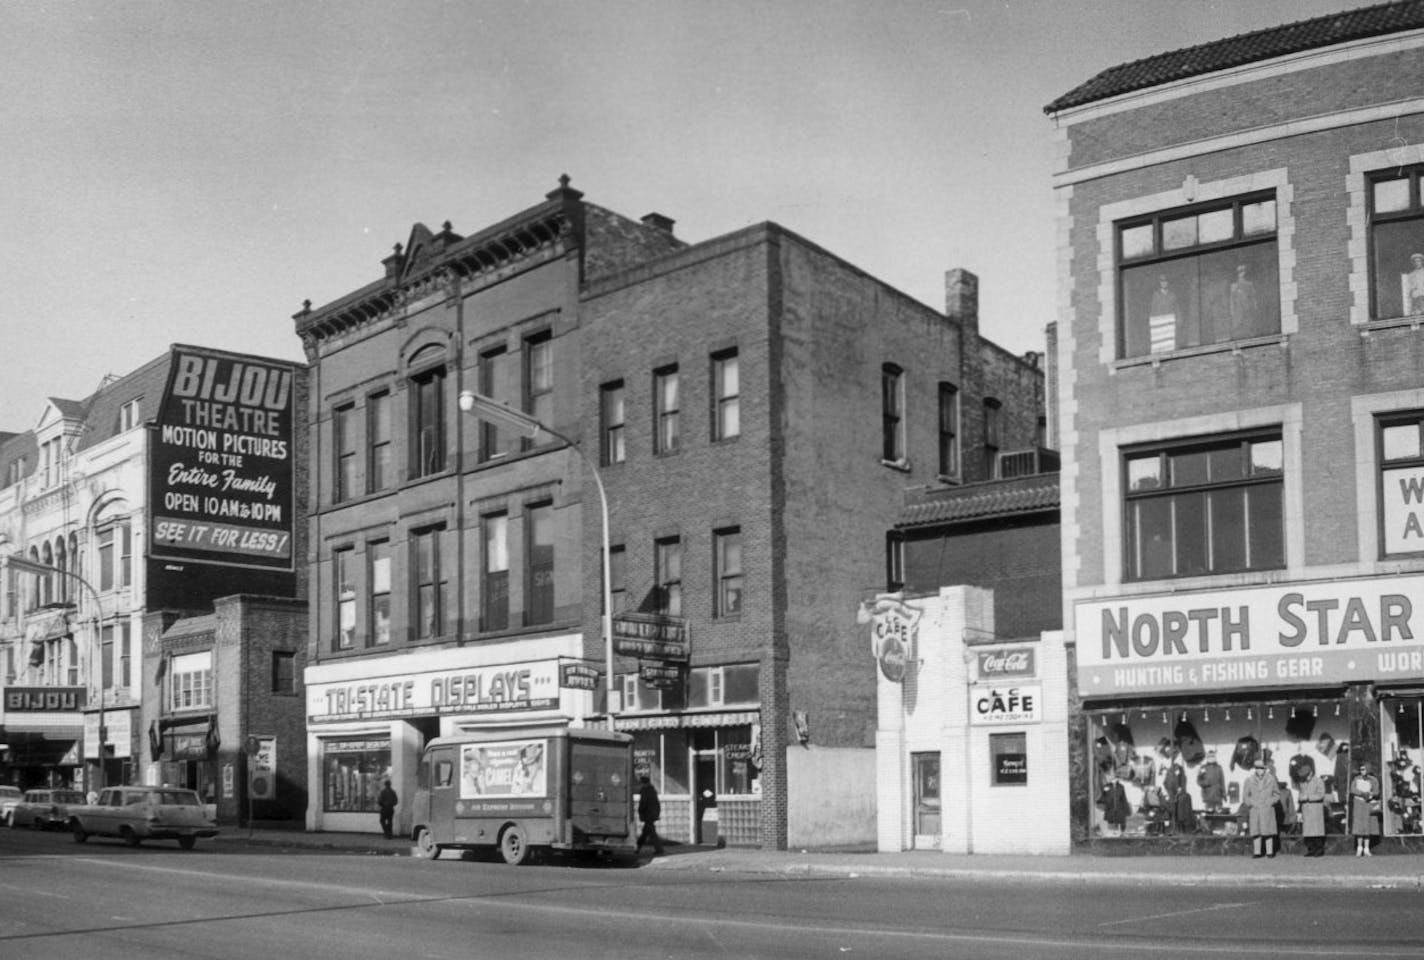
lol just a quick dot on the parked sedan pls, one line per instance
(136, 813)
(9, 796)
(44, 809)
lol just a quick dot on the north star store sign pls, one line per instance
(1301, 634)
(512, 687)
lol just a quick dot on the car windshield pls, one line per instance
(9, 792)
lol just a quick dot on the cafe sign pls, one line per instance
(1317, 633)
(994, 705)
(894, 630)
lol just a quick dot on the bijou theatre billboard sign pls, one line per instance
(221, 467)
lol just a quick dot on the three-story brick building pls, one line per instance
(1241, 392)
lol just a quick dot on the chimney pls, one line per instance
(961, 298)
(659, 222)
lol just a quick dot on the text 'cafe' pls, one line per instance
(1310, 677)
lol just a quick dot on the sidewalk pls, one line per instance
(1384, 871)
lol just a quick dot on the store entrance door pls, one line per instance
(704, 791)
(928, 824)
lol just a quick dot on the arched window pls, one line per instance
(47, 594)
(61, 563)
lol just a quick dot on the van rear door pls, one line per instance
(598, 789)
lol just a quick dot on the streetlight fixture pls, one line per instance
(45, 570)
(523, 425)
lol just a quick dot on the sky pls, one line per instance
(190, 172)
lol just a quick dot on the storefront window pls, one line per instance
(353, 771)
(738, 774)
(1164, 770)
(1403, 729)
(662, 755)
(1008, 755)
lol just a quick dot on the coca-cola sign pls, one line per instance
(1006, 662)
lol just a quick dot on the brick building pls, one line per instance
(1241, 400)
(756, 408)
(167, 498)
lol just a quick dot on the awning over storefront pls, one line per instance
(678, 721)
(47, 747)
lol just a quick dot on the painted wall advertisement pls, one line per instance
(1300, 634)
(508, 687)
(221, 472)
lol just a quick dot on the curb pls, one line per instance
(810, 868)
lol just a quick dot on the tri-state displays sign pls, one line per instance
(1300, 634)
(221, 464)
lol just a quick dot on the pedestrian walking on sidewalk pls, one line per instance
(1260, 794)
(1312, 814)
(650, 809)
(1365, 810)
(387, 801)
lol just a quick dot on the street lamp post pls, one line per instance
(522, 424)
(45, 570)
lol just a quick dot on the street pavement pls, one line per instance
(1384, 870)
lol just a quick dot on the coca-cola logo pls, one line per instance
(1006, 663)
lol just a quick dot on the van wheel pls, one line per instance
(425, 846)
(513, 846)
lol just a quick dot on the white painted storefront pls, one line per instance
(972, 743)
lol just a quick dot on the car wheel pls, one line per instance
(128, 836)
(79, 833)
(425, 846)
(187, 843)
(513, 846)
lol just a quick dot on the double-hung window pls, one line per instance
(1198, 275)
(494, 588)
(1204, 507)
(612, 413)
(666, 406)
(378, 577)
(343, 437)
(667, 562)
(1397, 242)
(430, 576)
(948, 430)
(343, 563)
(539, 380)
(539, 557)
(993, 436)
(727, 563)
(427, 446)
(378, 441)
(494, 383)
(618, 577)
(1401, 459)
(726, 396)
(892, 414)
(115, 556)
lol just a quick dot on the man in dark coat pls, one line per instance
(650, 808)
(387, 801)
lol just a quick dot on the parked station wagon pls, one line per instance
(135, 814)
(44, 809)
